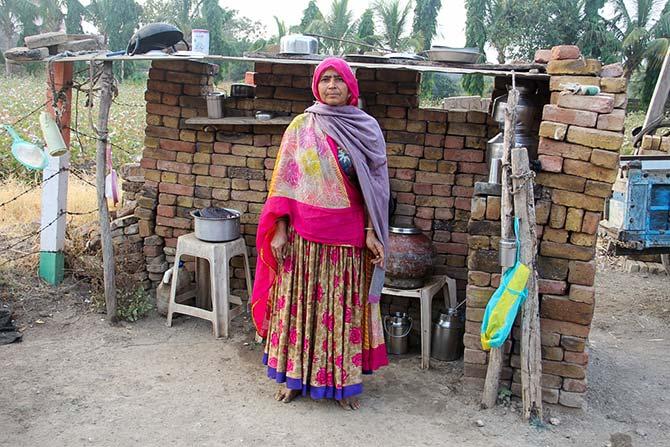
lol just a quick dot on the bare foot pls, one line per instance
(351, 403)
(285, 395)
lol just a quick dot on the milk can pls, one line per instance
(447, 341)
(396, 331)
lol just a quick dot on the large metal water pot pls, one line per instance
(396, 332)
(447, 341)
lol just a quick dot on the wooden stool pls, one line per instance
(214, 279)
(426, 294)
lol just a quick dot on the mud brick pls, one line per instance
(424, 225)
(476, 117)
(590, 170)
(408, 88)
(575, 385)
(542, 208)
(552, 268)
(599, 103)
(170, 88)
(398, 149)
(552, 286)
(574, 67)
(563, 309)
(555, 131)
(471, 356)
(217, 171)
(472, 168)
(442, 190)
(219, 194)
(164, 109)
(493, 208)
(612, 70)
(462, 204)
(433, 140)
(182, 168)
(405, 137)
(397, 100)
(249, 174)
(614, 85)
(425, 213)
(178, 146)
(553, 353)
(205, 137)
(186, 202)
(612, 121)
(433, 128)
(484, 261)
(590, 222)
(574, 344)
(557, 216)
(563, 369)
(392, 124)
(454, 142)
(228, 160)
(249, 151)
(479, 278)
(173, 188)
(407, 198)
(395, 161)
(434, 178)
(577, 200)
(468, 155)
(474, 314)
(484, 228)
(573, 221)
(476, 143)
(466, 129)
(598, 189)
(579, 358)
(605, 159)
(478, 208)
(184, 157)
(566, 251)
(154, 120)
(148, 163)
(164, 210)
(405, 186)
(396, 112)
(548, 146)
(428, 165)
(405, 174)
(168, 177)
(442, 202)
(558, 83)
(551, 163)
(542, 56)
(292, 94)
(478, 296)
(559, 236)
(583, 239)
(465, 180)
(197, 90)
(572, 400)
(562, 52)
(464, 191)
(569, 116)
(152, 96)
(163, 231)
(447, 167)
(416, 126)
(595, 138)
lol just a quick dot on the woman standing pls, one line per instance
(321, 239)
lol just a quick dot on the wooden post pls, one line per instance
(531, 354)
(54, 190)
(106, 80)
(490, 394)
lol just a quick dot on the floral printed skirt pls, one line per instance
(323, 334)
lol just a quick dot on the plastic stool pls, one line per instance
(218, 254)
(426, 294)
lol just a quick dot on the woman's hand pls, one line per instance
(375, 247)
(279, 240)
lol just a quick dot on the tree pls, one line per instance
(339, 24)
(393, 19)
(311, 18)
(366, 29)
(76, 12)
(475, 36)
(425, 21)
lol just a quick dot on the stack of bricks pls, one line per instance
(579, 151)
(128, 251)
(435, 156)
(133, 180)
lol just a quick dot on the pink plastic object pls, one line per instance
(111, 180)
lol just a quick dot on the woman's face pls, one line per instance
(332, 88)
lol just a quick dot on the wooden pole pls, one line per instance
(531, 354)
(54, 190)
(490, 394)
(103, 212)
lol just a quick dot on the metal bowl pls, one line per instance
(217, 229)
(455, 55)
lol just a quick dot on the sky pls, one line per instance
(450, 21)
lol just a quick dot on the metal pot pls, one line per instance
(447, 341)
(298, 44)
(494, 154)
(242, 91)
(217, 229)
(215, 104)
(154, 36)
(410, 258)
(396, 329)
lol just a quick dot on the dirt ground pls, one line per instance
(76, 381)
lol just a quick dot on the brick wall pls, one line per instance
(579, 151)
(435, 156)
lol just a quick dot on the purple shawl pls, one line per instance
(361, 136)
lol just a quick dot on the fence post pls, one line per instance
(54, 191)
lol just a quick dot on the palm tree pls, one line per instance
(645, 38)
(394, 18)
(339, 24)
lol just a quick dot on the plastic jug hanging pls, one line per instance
(28, 154)
(111, 180)
(52, 136)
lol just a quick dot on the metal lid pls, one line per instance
(404, 230)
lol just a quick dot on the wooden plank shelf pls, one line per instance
(240, 121)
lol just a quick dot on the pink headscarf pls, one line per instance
(343, 69)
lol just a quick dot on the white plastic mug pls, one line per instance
(200, 41)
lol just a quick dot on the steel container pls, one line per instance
(215, 104)
(298, 44)
(396, 330)
(507, 252)
(447, 340)
(217, 229)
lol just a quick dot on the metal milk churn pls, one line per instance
(396, 330)
(447, 340)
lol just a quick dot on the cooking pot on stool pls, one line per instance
(409, 260)
(216, 224)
